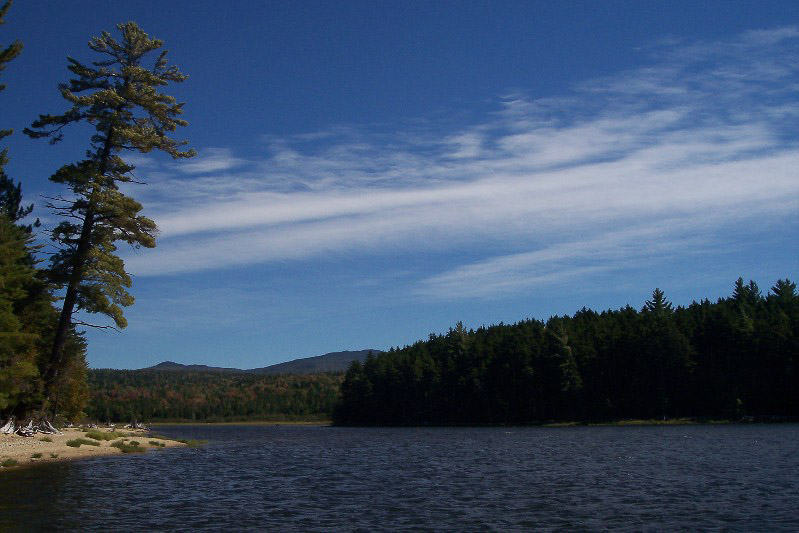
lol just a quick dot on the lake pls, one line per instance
(295, 478)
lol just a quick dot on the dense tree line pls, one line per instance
(736, 357)
(153, 395)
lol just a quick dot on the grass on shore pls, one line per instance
(75, 443)
(192, 443)
(128, 447)
(102, 435)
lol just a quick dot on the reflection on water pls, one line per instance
(320, 478)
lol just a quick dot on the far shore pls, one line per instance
(679, 421)
(646, 422)
(17, 451)
(247, 423)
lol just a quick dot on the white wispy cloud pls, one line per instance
(643, 245)
(628, 166)
(210, 161)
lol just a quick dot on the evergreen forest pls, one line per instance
(737, 358)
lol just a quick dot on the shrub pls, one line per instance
(46, 439)
(75, 443)
(156, 443)
(53, 455)
(9, 462)
(133, 447)
(36, 456)
(101, 435)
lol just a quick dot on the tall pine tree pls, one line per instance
(118, 95)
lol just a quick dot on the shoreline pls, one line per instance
(621, 422)
(248, 423)
(17, 451)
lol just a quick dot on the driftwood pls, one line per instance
(9, 428)
(46, 427)
(29, 429)
(135, 425)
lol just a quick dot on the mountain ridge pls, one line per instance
(329, 362)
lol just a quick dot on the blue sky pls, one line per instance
(372, 172)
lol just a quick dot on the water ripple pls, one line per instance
(407, 479)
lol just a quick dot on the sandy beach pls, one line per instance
(43, 448)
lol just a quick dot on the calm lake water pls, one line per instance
(735, 477)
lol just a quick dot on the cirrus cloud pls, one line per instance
(628, 166)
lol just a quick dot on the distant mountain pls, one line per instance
(172, 366)
(329, 362)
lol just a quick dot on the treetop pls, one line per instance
(119, 96)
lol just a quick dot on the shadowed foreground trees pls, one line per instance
(28, 321)
(27, 315)
(738, 356)
(18, 343)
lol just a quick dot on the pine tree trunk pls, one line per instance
(75, 278)
(65, 319)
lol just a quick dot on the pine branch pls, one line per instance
(96, 326)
